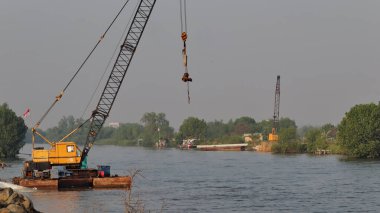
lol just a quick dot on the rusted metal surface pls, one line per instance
(76, 182)
(112, 182)
(84, 173)
(38, 183)
(223, 147)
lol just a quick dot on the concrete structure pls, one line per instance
(114, 124)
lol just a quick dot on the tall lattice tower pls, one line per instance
(276, 115)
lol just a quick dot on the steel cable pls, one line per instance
(80, 67)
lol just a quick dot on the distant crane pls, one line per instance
(276, 115)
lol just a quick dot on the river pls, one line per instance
(195, 181)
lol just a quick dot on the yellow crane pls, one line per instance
(67, 153)
(273, 136)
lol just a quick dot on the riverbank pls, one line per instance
(12, 201)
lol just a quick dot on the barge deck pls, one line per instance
(115, 182)
(223, 147)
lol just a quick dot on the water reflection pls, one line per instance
(192, 181)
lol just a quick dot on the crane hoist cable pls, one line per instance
(183, 17)
(59, 96)
(116, 50)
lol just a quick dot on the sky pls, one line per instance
(326, 52)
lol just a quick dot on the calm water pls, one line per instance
(195, 181)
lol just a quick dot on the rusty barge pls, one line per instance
(81, 178)
(223, 147)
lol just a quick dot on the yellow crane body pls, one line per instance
(273, 136)
(60, 153)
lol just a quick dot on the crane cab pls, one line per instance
(273, 136)
(61, 153)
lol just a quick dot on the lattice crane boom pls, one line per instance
(276, 114)
(119, 70)
(273, 136)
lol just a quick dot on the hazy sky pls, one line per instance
(327, 53)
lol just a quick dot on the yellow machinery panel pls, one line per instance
(61, 153)
(273, 137)
(40, 155)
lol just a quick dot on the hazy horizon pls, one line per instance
(326, 52)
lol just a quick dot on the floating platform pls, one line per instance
(121, 182)
(78, 178)
(223, 147)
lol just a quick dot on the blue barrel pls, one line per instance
(106, 169)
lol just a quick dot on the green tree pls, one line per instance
(130, 132)
(28, 136)
(81, 135)
(303, 130)
(230, 126)
(65, 126)
(229, 139)
(216, 129)
(359, 131)
(12, 132)
(287, 123)
(312, 136)
(327, 127)
(288, 147)
(265, 126)
(288, 134)
(244, 125)
(155, 126)
(193, 127)
(106, 132)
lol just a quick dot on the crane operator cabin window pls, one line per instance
(70, 148)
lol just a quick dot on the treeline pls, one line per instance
(308, 139)
(357, 135)
(127, 134)
(154, 127)
(12, 132)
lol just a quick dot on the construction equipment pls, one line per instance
(273, 136)
(65, 153)
(183, 16)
